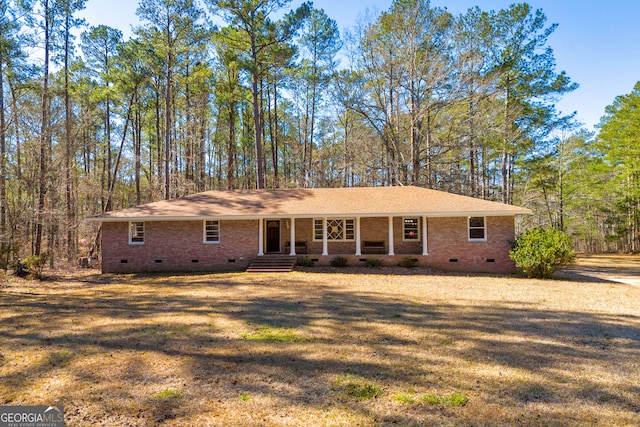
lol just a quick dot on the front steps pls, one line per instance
(272, 263)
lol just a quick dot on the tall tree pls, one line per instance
(42, 15)
(9, 49)
(523, 66)
(174, 21)
(320, 44)
(68, 8)
(251, 18)
(617, 142)
(100, 47)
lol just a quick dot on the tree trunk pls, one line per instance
(257, 117)
(44, 137)
(137, 146)
(3, 157)
(231, 148)
(505, 166)
(69, 152)
(167, 126)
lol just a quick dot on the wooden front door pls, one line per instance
(273, 235)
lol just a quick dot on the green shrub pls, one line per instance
(408, 262)
(339, 261)
(373, 262)
(305, 261)
(34, 265)
(539, 252)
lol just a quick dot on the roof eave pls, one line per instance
(310, 215)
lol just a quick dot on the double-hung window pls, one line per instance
(338, 230)
(411, 229)
(136, 233)
(477, 229)
(211, 231)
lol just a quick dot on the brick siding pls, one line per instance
(178, 245)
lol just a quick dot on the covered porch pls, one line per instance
(357, 236)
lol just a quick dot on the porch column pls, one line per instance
(358, 249)
(391, 249)
(425, 246)
(260, 237)
(325, 245)
(292, 238)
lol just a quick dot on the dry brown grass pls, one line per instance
(322, 349)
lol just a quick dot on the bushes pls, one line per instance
(373, 262)
(539, 252)
(339, 261)
(408, 262)
(32, 266)
(305, 261)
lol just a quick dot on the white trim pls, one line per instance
(484, 228)
(292, 238)
(204, 232)
(325, 244)
(260, 237)
(344, 227)
(358, 245)
(144, 232)
(391, 248)
(455, 214)
(425, 240)
(417, 239)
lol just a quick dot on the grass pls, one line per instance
(355, 387)
(273, 334)
(168, 394)
(322, 349)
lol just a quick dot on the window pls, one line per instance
(136, 233)
(338, 230)
(411, 229)
(477, 229)
(212, 232)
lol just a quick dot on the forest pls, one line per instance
(243, 94)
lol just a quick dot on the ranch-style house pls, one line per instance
(228, 230)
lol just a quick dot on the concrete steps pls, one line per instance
(272, 264)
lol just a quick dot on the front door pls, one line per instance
(273, 235)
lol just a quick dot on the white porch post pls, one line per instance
(425, 246)
(260, 237)
(358, 249)
(292, 238)
(391, 249)
(325, 245)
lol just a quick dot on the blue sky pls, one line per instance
(597, 43)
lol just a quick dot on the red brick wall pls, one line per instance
(448, 240)
(177, 244)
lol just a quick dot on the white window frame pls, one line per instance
(483, 228)
(131, 234)
(417, 230)
(204, 232)
(317, 226)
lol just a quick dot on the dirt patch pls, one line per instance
(322, 349)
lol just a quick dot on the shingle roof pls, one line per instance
(313, 202)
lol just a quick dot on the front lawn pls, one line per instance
(322, 349)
